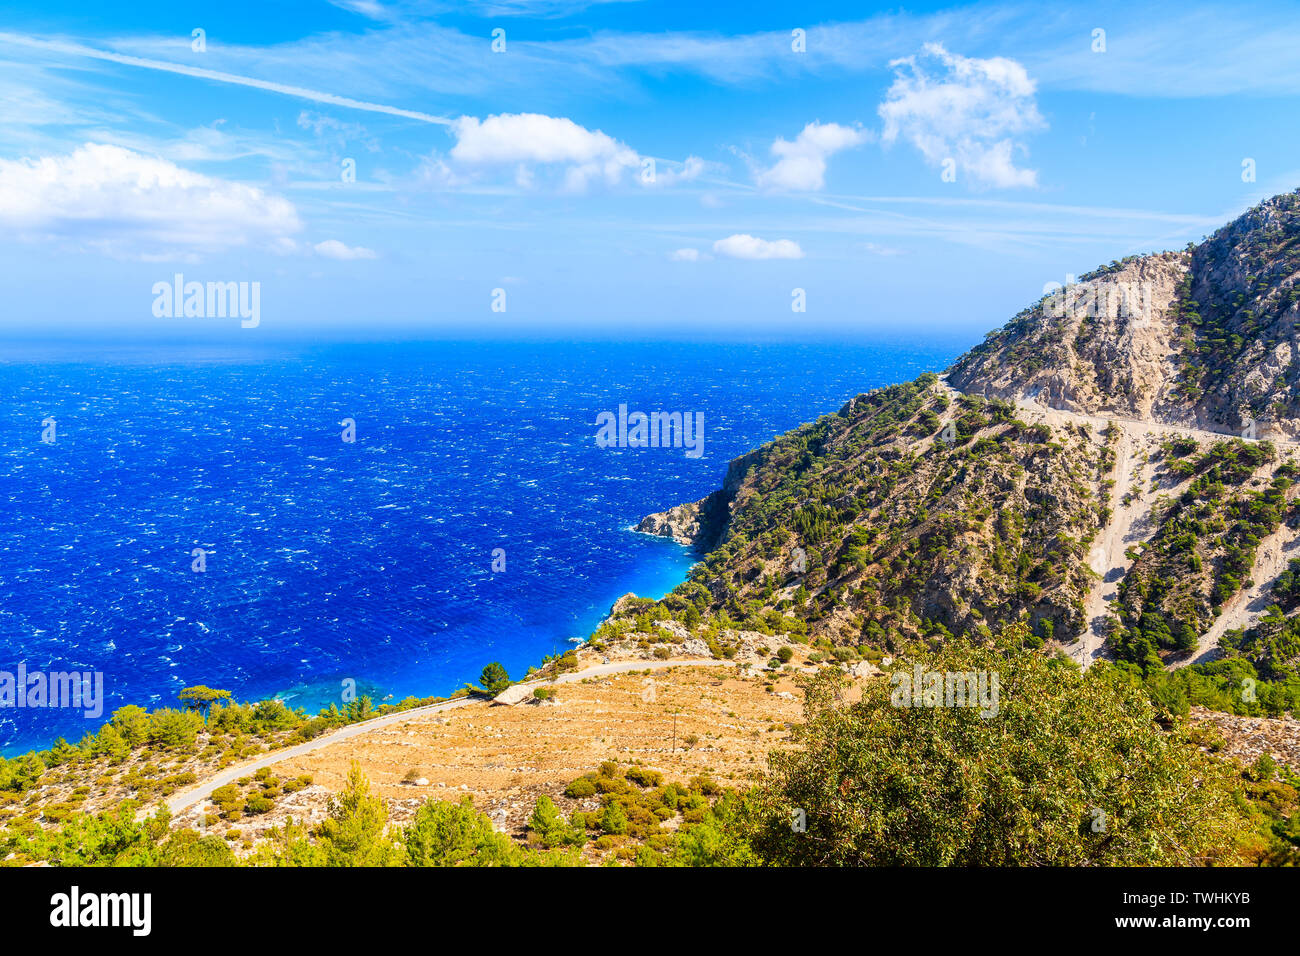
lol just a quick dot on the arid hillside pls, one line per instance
(1114, 468)
(1207, 337)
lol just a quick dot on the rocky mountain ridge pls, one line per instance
(1205, 337)
(1085, 479)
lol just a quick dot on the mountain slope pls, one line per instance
(906, 513)
(1103, 345)
(1090, 481)
(1205, 338)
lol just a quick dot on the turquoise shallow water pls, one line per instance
(369, 561)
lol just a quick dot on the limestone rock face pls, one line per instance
(627, 602)
(695, 648)
(700, 524)
(681, 523)
(514, 694)
(1104, 345)
(1204, 338)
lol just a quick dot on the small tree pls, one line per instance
(359, 709)
(174, 728)
(548, 826)
(355, 834)
(614, 819)
(200, 698)
(494, 678)
(450, 834)
(132, 722)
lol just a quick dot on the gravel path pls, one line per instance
(1108, 558)
(187, 798)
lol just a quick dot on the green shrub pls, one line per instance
(451, 834)
(257, 804)
(547, 826)
(581, 788)
(643, 777)
(614, 819)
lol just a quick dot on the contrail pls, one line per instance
(77, 49)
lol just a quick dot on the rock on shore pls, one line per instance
(681, 523)
(701, 524)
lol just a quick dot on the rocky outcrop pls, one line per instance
(1207, 338)
(1247, 738)
(701, 524)
(514, 694)
(626, 603)
(1103, 345)
(681, 523)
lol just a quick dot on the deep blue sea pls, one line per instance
(372, 560)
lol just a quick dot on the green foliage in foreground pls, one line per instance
(356, 833)
(455, 834)
(1074, 770)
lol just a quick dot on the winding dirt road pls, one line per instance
(187, 798)
(1128, 526)
(1245, 607)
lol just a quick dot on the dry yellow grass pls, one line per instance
(725, 727)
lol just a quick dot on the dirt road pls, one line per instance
(187, 798)
(1128, 526)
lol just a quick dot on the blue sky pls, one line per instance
(620, 168)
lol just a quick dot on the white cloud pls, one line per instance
(684, 172)
(965, 109)
(367, 8)
(333, 249)
(801, 165)
(514, 138)
(582, 156)
(399, 9)
(434, 173)
(132, 204)
(744, 246)
(684, 255)
(535, 137)
(878, 250)
(336, 130)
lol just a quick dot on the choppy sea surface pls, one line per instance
(369, 561)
